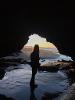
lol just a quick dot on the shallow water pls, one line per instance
(16, 83)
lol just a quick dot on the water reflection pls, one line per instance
(16, 82)
(32, 90)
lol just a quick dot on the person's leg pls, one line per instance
(33, 78)
(32, 82)
(34, 71)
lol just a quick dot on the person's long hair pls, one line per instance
(36, 48)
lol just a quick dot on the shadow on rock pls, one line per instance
(49, 96)
(3, 97)
(2, 73)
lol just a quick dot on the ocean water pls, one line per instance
(53, 57)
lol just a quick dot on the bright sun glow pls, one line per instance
(42, 42)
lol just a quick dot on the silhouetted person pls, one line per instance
(34, 63)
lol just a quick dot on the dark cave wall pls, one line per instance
(15, 41)
(50, 20)
(11, 42)
(63, 41)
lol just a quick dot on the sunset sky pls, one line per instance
(42, 42)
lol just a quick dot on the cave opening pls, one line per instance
(47, 49)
